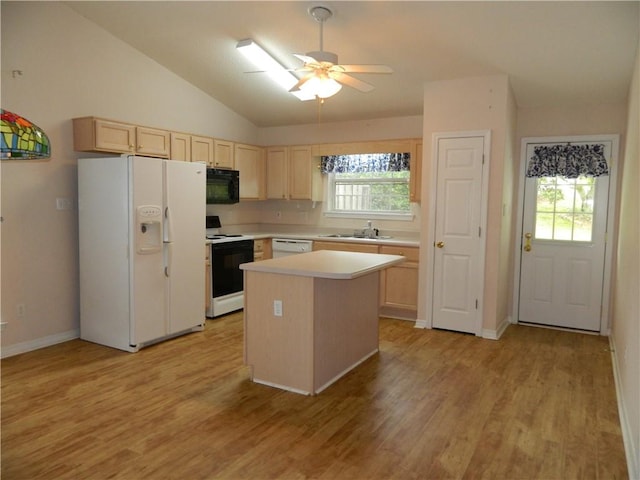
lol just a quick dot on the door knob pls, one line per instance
(440, 244)
(527, 242)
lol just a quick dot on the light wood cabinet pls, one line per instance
(91, 134)
(399, 284)
(249, 161)
(202, 149)
(223, 152)
(305, 179)
(345, 246)
(415, 180)
(293, 173)
(262, 249)
(180, 146)
(277, 173)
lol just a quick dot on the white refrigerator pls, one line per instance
(142, 249)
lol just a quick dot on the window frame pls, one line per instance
(330, 210)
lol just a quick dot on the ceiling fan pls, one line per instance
(322, 72)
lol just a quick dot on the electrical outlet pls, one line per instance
(277, 308)
(21, 310)
(64, 203)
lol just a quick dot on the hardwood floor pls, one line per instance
(431, 405)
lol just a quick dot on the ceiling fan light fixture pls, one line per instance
(321, 87)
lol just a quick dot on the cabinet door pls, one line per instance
(180, 147)
(223, 154)
(345, 247)
(277, 173)
(249, 161)
(114, 137)
(305, 181)
(153, 142)
(202, 150)
(415, 180)
(399, 283)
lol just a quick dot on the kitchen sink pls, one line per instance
(354, 235)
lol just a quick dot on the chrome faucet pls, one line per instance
(369, 231)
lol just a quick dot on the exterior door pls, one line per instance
(563, 249)
(458, 268)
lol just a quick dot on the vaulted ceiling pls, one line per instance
(555, 53)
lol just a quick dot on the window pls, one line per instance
(368, 184)
(564, 208)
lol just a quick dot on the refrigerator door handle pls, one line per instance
(168, 237)
(168, 258)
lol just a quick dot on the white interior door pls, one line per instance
(563, 250)
(457, 262)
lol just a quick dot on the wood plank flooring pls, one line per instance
(537, 404)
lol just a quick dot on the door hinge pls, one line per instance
(483, 158)
(479, 231)
(476, 303)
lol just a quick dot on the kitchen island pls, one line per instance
(311, 318)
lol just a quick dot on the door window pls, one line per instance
(564, 208)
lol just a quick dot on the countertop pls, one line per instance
(399, 241)
(326, 264)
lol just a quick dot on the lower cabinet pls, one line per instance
(345, 246)
(398, 284)
(261, 249)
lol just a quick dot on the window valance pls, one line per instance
(568, 161)
(366, 162)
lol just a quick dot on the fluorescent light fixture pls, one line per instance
(265, 62)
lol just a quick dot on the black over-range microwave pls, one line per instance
(223, 186)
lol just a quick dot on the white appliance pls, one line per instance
(227, 253)
(141, 249)
(282, 247)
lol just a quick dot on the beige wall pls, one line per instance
(72, 68)
(626, 304)
(474, 104)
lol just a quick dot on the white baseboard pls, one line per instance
(31, 345)
(496, 334)
(633, 464)
(422, 324)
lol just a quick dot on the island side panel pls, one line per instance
(279, 349)
(346, 326)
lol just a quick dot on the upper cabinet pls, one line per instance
(202, 149)
(293, 173)
(305, 179)
(249, 161)
(277, 177)
(92, 134)
(181, 146)
(223, 154)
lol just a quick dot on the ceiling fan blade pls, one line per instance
(305, 58)
(351, 81)
(301, 82)
(366, 68)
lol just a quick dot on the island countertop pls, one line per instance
(326, 264)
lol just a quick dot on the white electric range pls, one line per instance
(226, 285)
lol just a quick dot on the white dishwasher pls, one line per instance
(282, 247)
